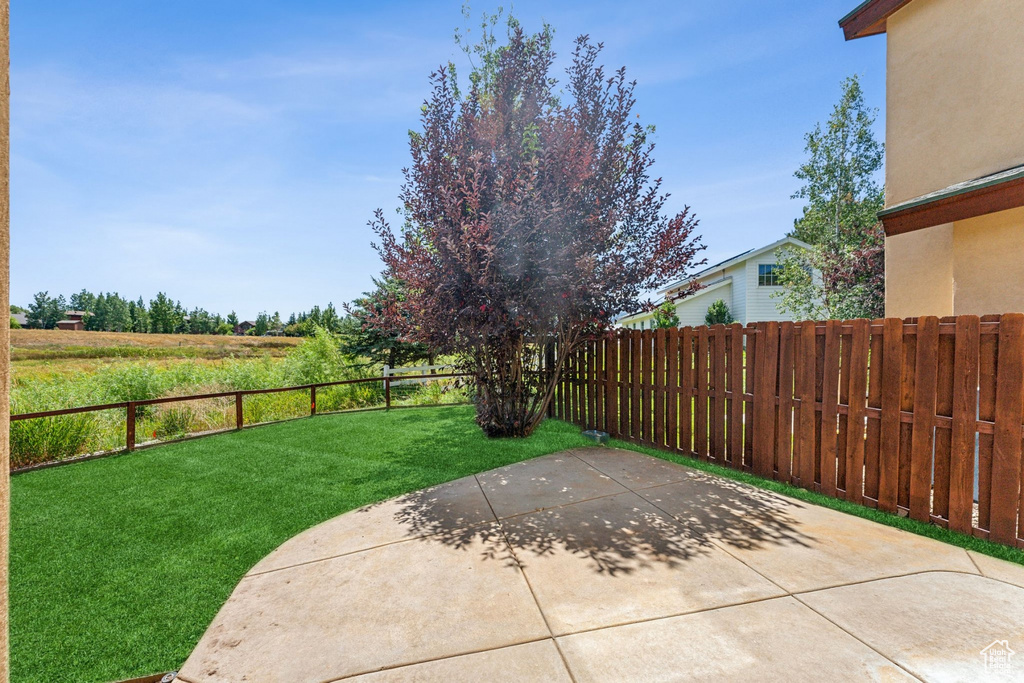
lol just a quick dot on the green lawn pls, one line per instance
(118, 565)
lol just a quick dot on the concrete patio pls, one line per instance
(606, 565)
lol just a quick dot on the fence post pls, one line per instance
(312, 401)
(239, 417)
(387, 387)
(129, 441)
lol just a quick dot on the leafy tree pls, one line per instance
(139, 316)
(843, 274)
(371, 332)
(15, 325)
(45, 311)
(718, 314)
(163, 317)
(262, 324)
(118, 318)
(528, 219)
(665, 316)
(83, 301)
(233, 320)
(18, 309)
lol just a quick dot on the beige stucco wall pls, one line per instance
(919, 273)
(955, 112)
(988, 263)
(955, 93)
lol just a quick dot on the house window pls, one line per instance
(769, 275)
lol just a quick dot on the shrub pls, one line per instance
(718, 314)
(52, 438)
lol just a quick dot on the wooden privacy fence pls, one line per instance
(919, 416)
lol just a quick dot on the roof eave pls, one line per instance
(1000, 192)
(869, 18)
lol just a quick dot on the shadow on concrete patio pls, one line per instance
(656, 513)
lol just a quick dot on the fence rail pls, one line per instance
(239, 395)
(920, 416)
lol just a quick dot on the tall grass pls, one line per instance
(314, 361)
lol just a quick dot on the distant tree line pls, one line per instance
(360, 331)
(111, 312)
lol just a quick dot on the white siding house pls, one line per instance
(745, 283)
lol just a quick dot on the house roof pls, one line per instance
(994, 192)
(869, 17)
(738, 258)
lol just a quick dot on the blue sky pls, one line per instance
(230, 153)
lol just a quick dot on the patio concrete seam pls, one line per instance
(529, 586)
(406, 665)
(861, 640)
(622, 483)
(674, 615)
(422, 537)
(897, 576)
(559, 507)
(971, 558)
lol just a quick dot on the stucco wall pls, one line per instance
(955, 93)
(988, 263)
(919, 273)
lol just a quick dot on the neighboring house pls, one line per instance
(20, 318)
(244, 326)
(954, 176)
(745, 283)
(73, 320)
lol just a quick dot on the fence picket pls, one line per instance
(659, 386)
(700, 424)
(922, 438)
(766, 376)
(965, 402)
(856, 400)
(750, 334)
(872, 441)
(686, 390)
(907, 383)
(830, 408)
(734, 385)
(636, 398)
(672, 389)
(946, 360)
(786, 391)
(1006, 451)
(718, 361)
(988, 348)
(805, 459)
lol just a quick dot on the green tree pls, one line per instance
(118, 317)
(83, 301)
(162, 316)
(232, 320)
(665, 316)
(45, 311)
(139, 316)
(367, 333)
(262, 324)
(718, 314)
(841, 275)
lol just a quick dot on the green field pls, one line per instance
(118, 565)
